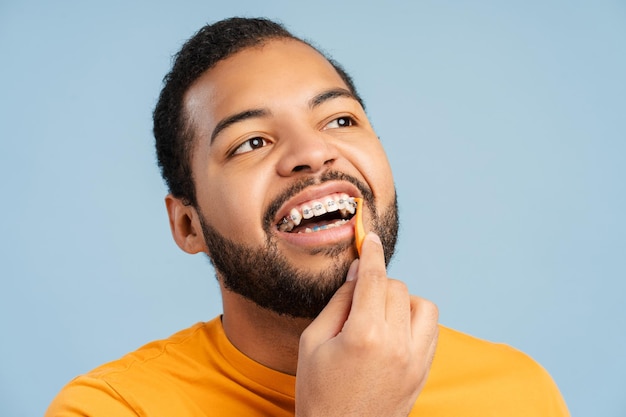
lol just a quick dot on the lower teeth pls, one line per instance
(324, 227)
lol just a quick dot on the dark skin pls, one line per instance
(369, 351)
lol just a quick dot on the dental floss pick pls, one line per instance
(359, 230)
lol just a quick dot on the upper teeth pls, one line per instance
(333, 202)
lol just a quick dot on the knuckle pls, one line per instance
(365, 341)
(401, 355)
(431, 309)
(427, 308)
(397, 286)
(305, 339)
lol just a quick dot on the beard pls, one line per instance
(265, 276)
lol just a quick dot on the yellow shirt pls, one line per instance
(198, 372)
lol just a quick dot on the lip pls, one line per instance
(315, 192)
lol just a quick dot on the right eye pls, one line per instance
(250, 145)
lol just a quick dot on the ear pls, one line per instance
(185, 225)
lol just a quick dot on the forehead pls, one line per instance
(281, 72)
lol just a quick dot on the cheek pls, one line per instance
(234, 206)
(374, 166)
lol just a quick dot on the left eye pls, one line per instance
(343, 121)
(250, 145)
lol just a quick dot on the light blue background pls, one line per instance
(505, 123)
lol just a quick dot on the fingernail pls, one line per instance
(373, 237)
(354, 267)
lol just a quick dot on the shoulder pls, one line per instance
(460, 353)
(469, 350)
(483, 375)
(105, 389)
(89, 396)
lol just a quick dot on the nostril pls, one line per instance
(311, 167)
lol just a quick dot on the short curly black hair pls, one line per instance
(172, 130)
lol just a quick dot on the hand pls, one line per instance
(369, 351)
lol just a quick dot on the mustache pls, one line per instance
(302, 183)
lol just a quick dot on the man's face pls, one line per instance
(278, 135)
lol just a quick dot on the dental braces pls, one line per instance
(288, 222)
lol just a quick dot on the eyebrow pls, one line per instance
(329, 95)
(238, 117)
(254, 113)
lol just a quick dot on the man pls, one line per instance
(264, 144)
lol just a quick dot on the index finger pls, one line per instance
(370, 292)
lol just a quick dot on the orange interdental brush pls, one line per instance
(359, 230)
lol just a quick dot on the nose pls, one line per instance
(307, 152)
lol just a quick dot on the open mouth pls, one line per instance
(333, 210)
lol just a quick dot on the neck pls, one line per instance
(264, 336)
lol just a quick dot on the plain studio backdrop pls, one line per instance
(505, 123)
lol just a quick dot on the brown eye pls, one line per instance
(343, 121)
(250, 145)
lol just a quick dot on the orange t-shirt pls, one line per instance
(198, 372)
